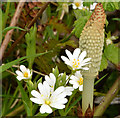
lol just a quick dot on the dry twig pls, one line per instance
(10, 32)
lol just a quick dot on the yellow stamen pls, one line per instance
(83, 9)
(77, 4)
(47, 102)
(25, 74)
(75, 63)
(80, 81)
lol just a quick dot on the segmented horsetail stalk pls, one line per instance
(92, 41)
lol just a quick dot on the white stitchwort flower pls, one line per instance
(77, 81)
(47, 100)
(77, 4)
(25, 73)
(76, 60)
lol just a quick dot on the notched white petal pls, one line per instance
(19, 73)
(35, 93)
(76, 53)
(36, 100)
(23, 68)
(19, 78)
(45, 109)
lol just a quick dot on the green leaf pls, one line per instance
(111, 52)
(31, 45)
(8, 65)
(81, 13)
(26, 99)
(48, 33)
(104, 63)
(56, 72)
(71, 97)
(116, 5)
(106, 22)
(12, 27)
(118, 19)
(5, 15)
(100, 79)
(73, 104)
(5, 106)
(110, 6)
(79, 24)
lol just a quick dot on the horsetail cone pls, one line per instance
(92, 41)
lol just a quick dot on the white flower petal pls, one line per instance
(46, 89)
(48, 80)
(76, 53)
(23, 68)
(74, 78)
(41, 88)
(69, 54)
(58, 91)
(78, 74)
(73, 82)
(82, 56)
(92, 7)
(45, 109)
(75, 86)
(68, 90)
(36, 100)
(36, 94)
(29, 73)
(58, 106)
(66, 60)
(80, 7)
(19, 78)
(83, 64)
(19, 73)
(81, 88)
(86, 60)
(74, 6)
(60, 101)
(85, 68)
(59, 96)
(53, 78)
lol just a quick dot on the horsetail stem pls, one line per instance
(92, 41)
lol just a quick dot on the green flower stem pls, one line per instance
(108, 98)
(87, 94)
(6, 14)
(29, 86)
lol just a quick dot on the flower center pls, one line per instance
(76, 63)
(80, 81)
(47, 102)
(25, 74)
(77, 4)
